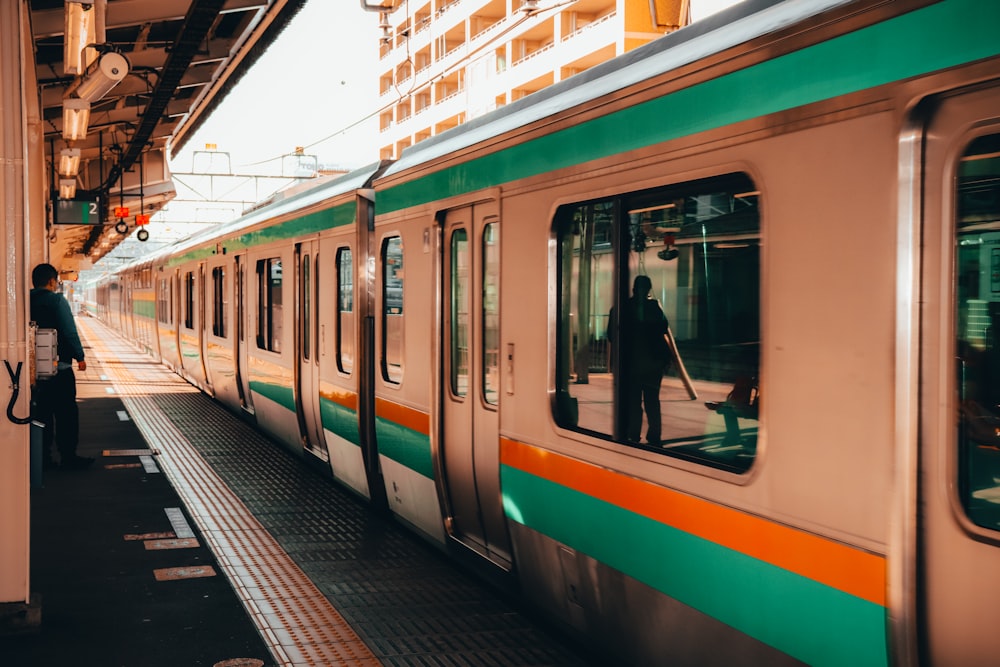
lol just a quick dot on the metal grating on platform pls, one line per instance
(404, 600)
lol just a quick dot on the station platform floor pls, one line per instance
(194, 540)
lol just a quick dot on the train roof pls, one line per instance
(736, 25)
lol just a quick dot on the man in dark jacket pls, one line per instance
(54, 398)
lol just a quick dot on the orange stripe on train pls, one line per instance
(837, 565)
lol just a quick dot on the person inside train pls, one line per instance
(644, 358)
(54, 398)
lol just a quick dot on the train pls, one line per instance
(813, 191)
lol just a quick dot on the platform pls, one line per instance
(194, 540)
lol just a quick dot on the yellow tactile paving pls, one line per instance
(299, 624)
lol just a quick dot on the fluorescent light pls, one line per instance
(103, 74)
(76, 117)
(67, 188)
(69, 161)
(76, 36)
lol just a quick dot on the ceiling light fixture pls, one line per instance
(67, 188)
(76, 117)
(69, 162)
(78, 34)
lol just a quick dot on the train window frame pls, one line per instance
(391, 362)
(975, 317)
(699, 241)
(189, 300)
(219, 301)
(306, 299)
(163, 301)
(345, 344)
(270, 303)
(490, 325)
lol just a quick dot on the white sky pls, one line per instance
(318, 78)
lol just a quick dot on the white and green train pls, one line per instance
(813, 189)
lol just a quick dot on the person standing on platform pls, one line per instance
(54, 398)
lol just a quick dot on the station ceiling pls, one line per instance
(180, 57)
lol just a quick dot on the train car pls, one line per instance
(812, 193)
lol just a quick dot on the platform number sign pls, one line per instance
(77, 212)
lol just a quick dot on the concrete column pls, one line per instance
(16, 83)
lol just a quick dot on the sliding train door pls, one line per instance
(958, 534)
(470, 380)
(242, 326)
(308, 348)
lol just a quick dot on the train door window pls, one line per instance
(219, 302)
(658, 334)
(977, 329)
(306, 300)
(163, 301)
(269, 304)
(189, 300)
(491, 313)
(392, 309)
(345, 310)
(459, 338)
(316, 305)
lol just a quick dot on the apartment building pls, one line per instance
(447, 61)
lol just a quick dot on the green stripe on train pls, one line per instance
(810, 621)
(405, 446)
(926, 40)
(340, 420)
(312, 223)
(277, 393)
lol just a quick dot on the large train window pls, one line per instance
(345, 310)
(977, 329)
(491, 313)
(658, 334)
(269, 304)
(392, 309)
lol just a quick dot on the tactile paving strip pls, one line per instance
(409, 604)
(299, 624)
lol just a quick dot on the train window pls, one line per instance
(219, 302)
(189, 300)
(269, 304)
(345, 310)
(977, 323)
(306, 298)
(459, 316)
(491, 313)
(163, 302)
(392, 309)
(658, 334)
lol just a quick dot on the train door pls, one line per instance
(242, 377)
(470, 383)
(307, 350)
(958, 526)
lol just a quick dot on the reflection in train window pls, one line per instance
(491, 314)
(977, 329)
(458, 336)
(269, 304)
(392, 309)
(669, 362)
(345, 310)
(163, 313)
(305, 298)
(219, 302)
(189, 300)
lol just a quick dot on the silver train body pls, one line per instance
(812, 188)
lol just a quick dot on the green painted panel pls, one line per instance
(405, 446)
(144, 308)
(280, 394)
(340, 420)
(808, 620)
(927, 40)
